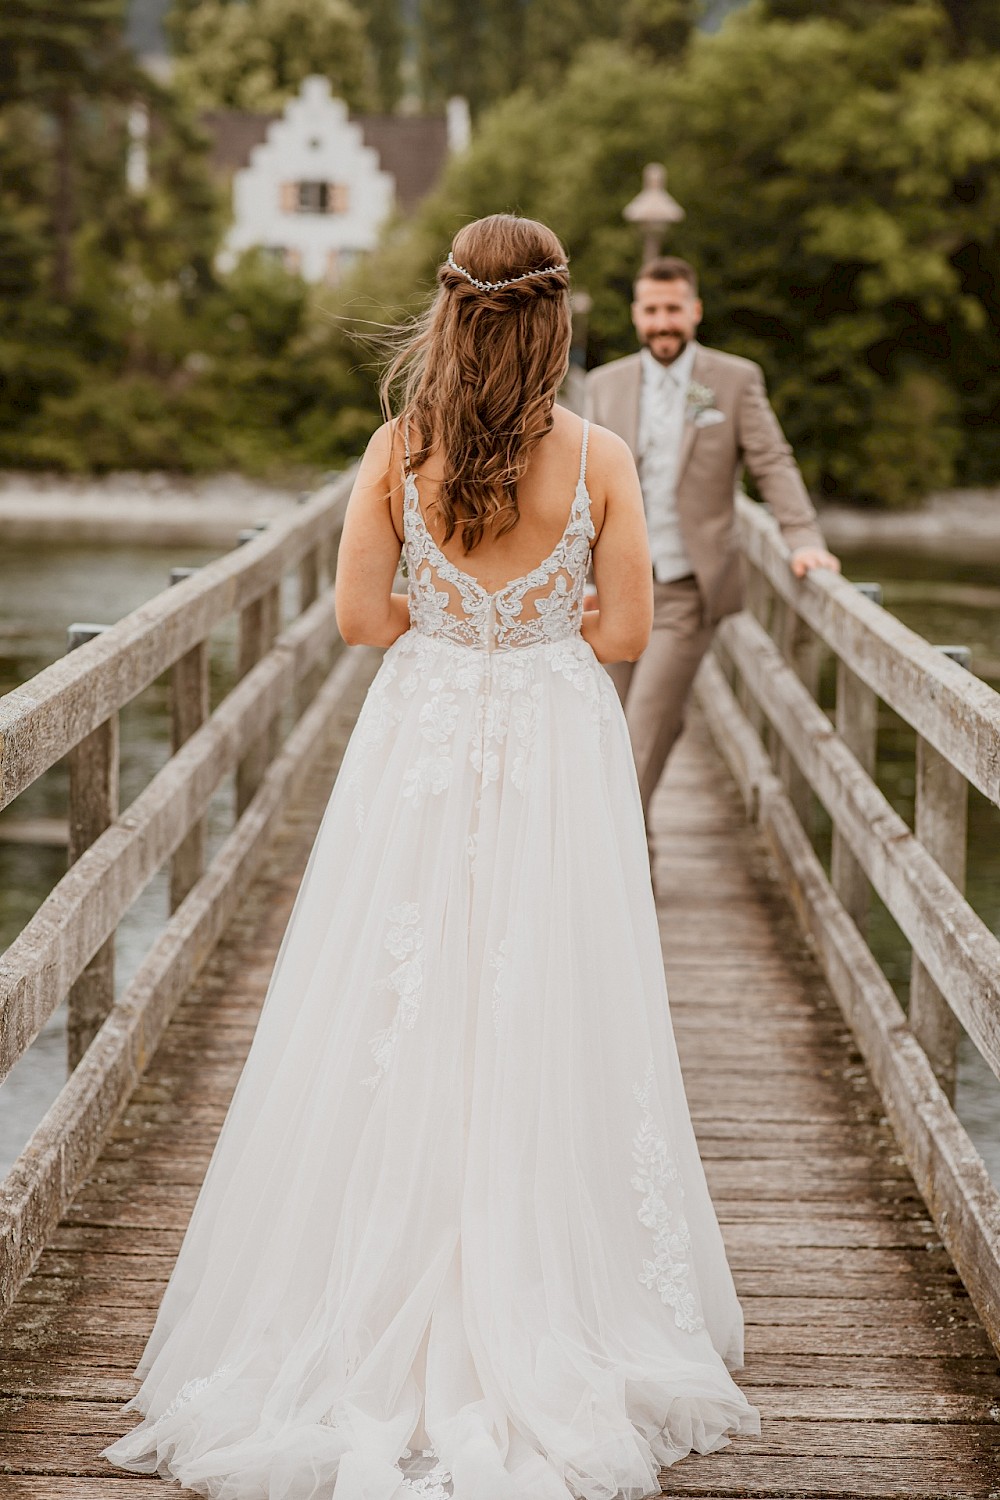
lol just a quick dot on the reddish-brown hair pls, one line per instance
(477, 375)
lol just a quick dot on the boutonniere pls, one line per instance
(701, 408)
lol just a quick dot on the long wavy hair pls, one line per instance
(476, 376)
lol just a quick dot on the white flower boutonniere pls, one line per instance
(701, 408)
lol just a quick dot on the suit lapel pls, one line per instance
(628, 393)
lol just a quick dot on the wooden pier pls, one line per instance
(872, 1358)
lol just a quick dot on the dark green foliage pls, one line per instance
(489, 48)
(57, 56)
(973, 25)
(849, 12)
(254, 54)
(450, 50)
(842, 188)
(660, 27)
(48, 47)
(841, 177)
(976, 24)
(386, 35)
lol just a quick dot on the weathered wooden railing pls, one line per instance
(758, 689)
(71, 710)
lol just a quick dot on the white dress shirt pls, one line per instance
(662, 410)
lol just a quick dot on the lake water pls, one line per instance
(44, 590)
(948, 603)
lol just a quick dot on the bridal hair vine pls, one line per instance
(497, 286)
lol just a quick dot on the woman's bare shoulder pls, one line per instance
(603, 446)
(606, 450)
(385, 441)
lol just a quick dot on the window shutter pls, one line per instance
(289, 197)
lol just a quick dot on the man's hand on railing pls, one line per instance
(804, 559)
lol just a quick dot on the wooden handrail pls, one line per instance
(41, 721)
(955, 944)
(63, 708)
(87, 904)
(956, 712)
(764, 670)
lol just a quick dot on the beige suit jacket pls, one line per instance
(712, 459)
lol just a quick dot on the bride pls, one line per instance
(455, 1239)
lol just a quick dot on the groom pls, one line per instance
(693, 417)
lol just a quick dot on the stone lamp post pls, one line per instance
(653, 209)
(581, 303)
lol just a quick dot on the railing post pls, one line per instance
(272, 606)
(93, 807)
(940, 823)
(309, 579)
(252, 646)
(309, 576)
(856, 721)
(758, 598)
(257, 629)
(803, 651)
(189, 699)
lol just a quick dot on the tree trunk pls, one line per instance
(62, 209)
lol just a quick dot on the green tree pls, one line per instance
(254, 54)
(847, 12)
(449, 50)
(56, 56)
(555, 30)
(660, 27)
(976, 24)
(491, 48)
(386, 35)
(842, 189)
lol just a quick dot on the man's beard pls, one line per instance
(678, 346)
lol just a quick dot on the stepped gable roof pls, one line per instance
(412, 148)
(232, 134)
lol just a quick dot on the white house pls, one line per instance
(315, 186)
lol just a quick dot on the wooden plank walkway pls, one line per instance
(874, 1377)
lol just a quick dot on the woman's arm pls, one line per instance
(618, 629)
(368, 612)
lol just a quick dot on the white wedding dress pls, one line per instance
(455, 1239)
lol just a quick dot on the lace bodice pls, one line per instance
(543, 605)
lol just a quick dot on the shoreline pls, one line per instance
(960, 525)
(155, 510)
(169, 510)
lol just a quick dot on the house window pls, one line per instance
(314, 198)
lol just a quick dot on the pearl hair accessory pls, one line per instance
(496, 286)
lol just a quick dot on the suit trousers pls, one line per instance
(654, 690)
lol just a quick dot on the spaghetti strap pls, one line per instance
(406, 446)
(583, 451)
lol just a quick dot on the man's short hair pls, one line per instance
(669, 268)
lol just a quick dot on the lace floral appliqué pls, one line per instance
(404, 940)
(661, 1211)
(546, 604)
(423, 1474)
(193, 1389)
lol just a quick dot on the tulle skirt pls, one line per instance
(455, 1239)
